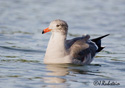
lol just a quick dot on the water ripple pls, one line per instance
(23, 50)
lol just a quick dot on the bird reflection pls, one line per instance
(56, 75)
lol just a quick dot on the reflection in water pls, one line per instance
(55, 76)
(60, 75)
(64, 75)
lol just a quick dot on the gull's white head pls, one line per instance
(57, 26)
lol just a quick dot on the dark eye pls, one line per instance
(57, 25)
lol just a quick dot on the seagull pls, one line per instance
(79, 50)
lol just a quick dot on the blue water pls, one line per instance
(22, 46)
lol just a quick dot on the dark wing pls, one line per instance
(83, 50)
(69, 43)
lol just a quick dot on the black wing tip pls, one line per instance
(99, 38)
(103, 36)
(100, 49)
(98, 42)
(106, 34)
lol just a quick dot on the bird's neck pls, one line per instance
(56, 46)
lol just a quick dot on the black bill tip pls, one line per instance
(42, 32)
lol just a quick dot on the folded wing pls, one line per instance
(82, 49)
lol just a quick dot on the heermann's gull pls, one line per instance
(80, 50)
